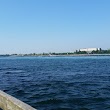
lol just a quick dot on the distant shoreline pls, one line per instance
(74, 55)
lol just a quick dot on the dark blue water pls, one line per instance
(58, 83)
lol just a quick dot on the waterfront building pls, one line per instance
(89, 50)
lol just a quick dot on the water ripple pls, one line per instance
(58, 83)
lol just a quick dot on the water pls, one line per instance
(58, 83)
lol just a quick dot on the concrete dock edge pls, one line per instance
(8, 102)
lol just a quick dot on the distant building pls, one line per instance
(89, 50)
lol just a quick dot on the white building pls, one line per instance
(89, 49)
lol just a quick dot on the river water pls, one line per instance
(58, 83)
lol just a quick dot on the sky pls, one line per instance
(37, 26)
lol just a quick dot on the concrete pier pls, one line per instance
(8, 102)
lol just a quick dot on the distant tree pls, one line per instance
(109, 51)
(81, 52)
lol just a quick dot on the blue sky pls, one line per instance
(28, 26)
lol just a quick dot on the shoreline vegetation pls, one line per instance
(76, 53)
